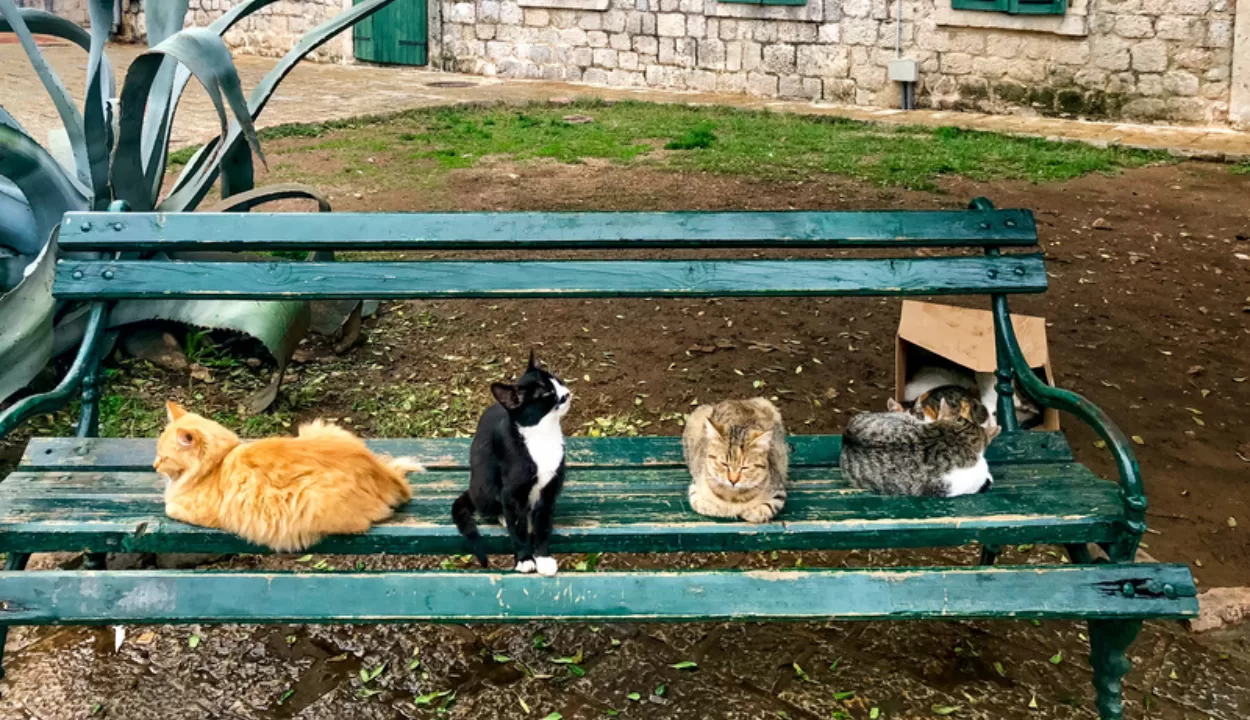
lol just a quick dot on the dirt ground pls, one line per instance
(1148, 316)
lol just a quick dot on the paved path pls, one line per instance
(318, 92)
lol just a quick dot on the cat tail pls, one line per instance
(399, 468)
(462, 511)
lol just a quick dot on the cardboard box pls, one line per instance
(941, 334)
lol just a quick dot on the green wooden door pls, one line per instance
(398, 34)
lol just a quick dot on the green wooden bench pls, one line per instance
(97, 495)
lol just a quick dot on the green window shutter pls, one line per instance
(1014, 7)
(1038, 7)
(985, 5)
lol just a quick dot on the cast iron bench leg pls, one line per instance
(15, 562)
(1109, 641)
(989, 554)
(89, 427)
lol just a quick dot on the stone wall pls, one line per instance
(270, 32)
(1143, 60)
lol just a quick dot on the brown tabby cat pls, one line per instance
(738, 460)
(285, 493)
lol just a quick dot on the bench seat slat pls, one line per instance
(131, 232)
(107, 454)
(139, 279)
(626, 510)
(1038, 592)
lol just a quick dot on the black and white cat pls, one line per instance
(516, 468)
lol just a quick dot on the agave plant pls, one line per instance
(125, 159)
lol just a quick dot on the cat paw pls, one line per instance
(547, 566)
(525, 566)
(758, 514)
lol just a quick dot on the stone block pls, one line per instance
(671, 24)
(537, 17)
(1095, 79)
(1171, 27)
(619, 41)
(731, 83)
(1189, 7)
(646, 44)
(539, 54)
(1134, 26)
(582, 56)
(627, 60)
(1214, 90)
(1149, 56)
(596, 38)
(956, 63)
(633, 23)
(1109, 57)
(1188, 110)
(971, 42)
(1150, 85)
(573, 36)
(824, 61)
(484, 31)
(812, 88)
(702, 80)
(1180, 82)
(728, 29)
(696, 26)
(590, 21)
(762, 84)
(839, 91)
(860, 32)
(830, 33)
(750, 55)
(614, 21)
(463, 13)
(1219, 34)
(692, 7)
(796, 32)
(604, 58)
(669, 6)
(733, 56)
(649, 24)
(779, 58)
(712, 54)
(498, 50)
(790, 87)
(857, 8)
(595, 76)
(765, 32)
(488, 10)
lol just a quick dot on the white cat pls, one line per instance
(930, 377)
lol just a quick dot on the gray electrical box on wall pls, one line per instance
(903, 70)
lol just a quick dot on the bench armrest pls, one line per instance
(56, 398)
(1131, 489)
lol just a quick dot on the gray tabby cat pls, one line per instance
(897, 453)
(738, 460)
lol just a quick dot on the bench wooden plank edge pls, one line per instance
(1103, 592)
(168, 536)
(895, 277)
(129, 232)
(136, 454)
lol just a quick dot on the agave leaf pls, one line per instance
(17, 230)
(38, 175)
(207, 58)
(278, 325)
(245, 201)
(198, 177)
(26, 332)
(156, 149)
(8, 120)
(97, 114)
(163, 19)
(70, 117)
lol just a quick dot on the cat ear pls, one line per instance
(533, 362)
(965, 409)
(715, 430)
(174, 410)
(893, 405)
(507, 395)
(763, 441)
(992, 432)
(945, 412)
(188, 438)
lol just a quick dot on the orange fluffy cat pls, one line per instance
(286, 493)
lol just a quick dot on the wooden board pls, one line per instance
(136, 454)
(138, 279)
(1096, 591)
(624, 508)
(129, 232)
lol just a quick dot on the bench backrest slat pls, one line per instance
(128, 232)
(109, 279)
